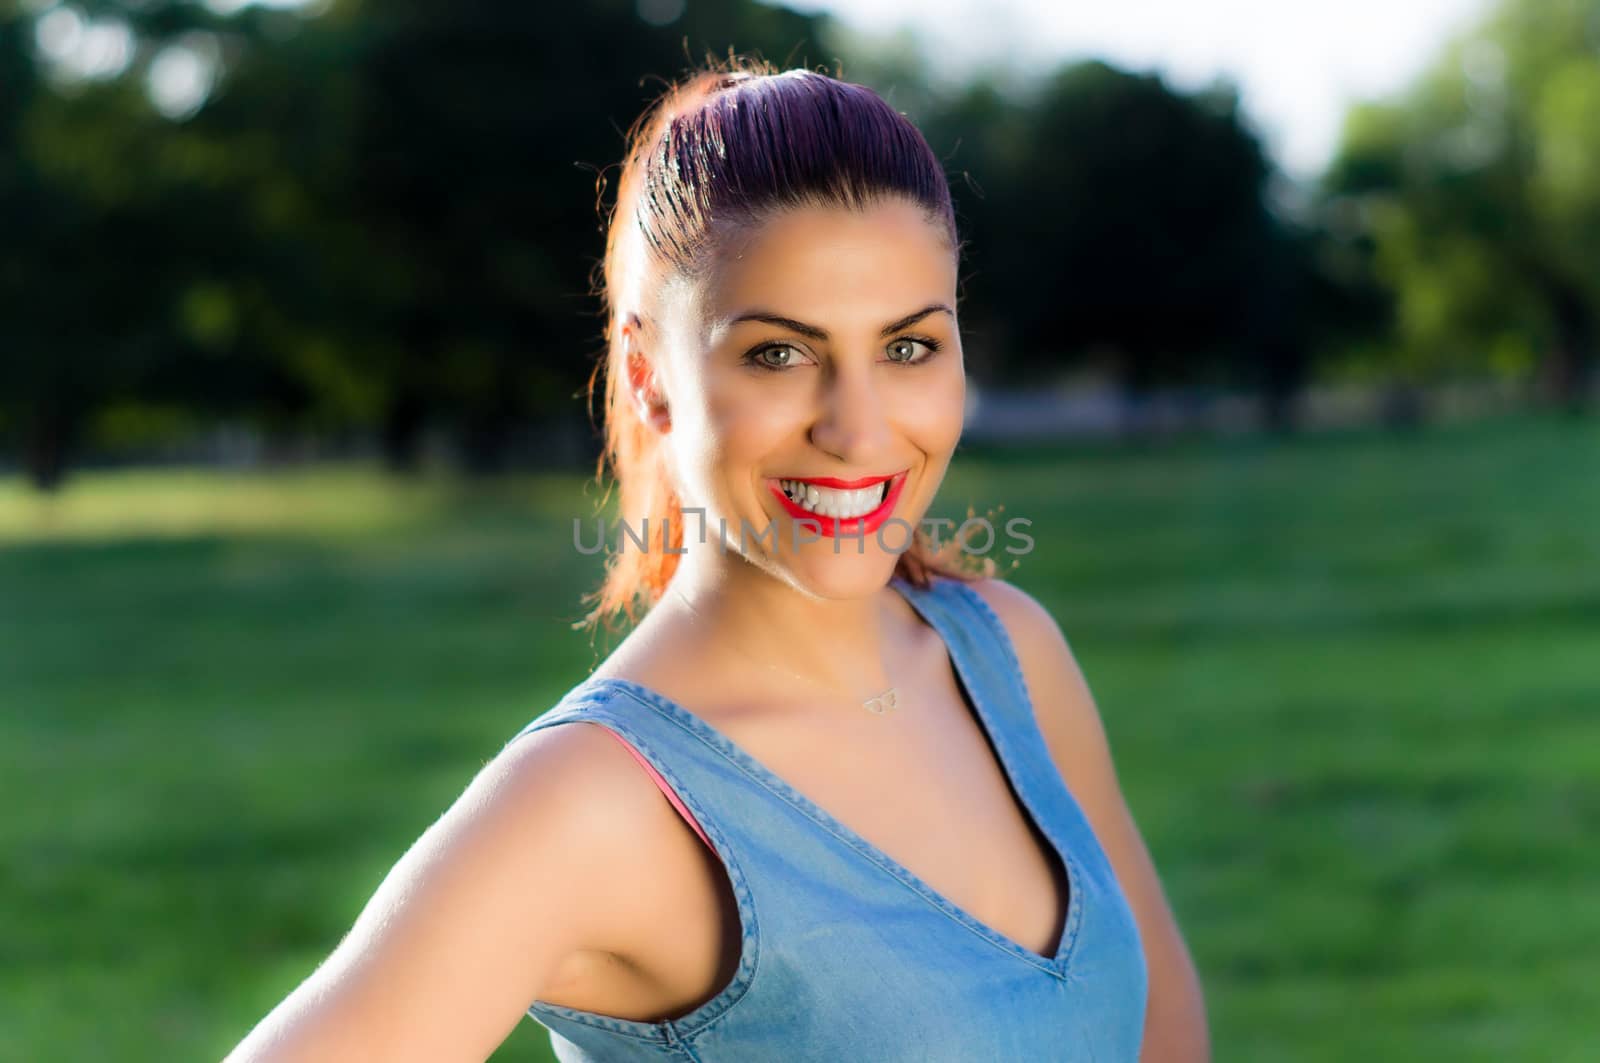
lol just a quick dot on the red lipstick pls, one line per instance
(842, 485)
(829, 527)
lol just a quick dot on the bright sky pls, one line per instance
(1298, 64)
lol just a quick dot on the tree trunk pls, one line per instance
(1566, 372)
(403, 421)
(47, 437)
(485, 439)
(1282, 380)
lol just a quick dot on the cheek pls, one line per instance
(748, 420)
(932, 408)
(733, 427)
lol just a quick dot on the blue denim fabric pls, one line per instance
(847, 955)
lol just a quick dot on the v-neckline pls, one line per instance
(1057, 961)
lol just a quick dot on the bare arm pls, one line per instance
(1175, 1029)
(472, 923)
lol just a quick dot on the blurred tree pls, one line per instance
(378, 214)
(979, 133)
(124, 240)
(27, 409)
(472, 135)
(375, 215)
(1119, 217)
(1480, 193)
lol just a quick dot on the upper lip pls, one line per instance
(842, 485)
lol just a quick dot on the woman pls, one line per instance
(837, 799)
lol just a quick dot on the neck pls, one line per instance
(840, 639)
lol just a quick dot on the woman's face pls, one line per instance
(823, 347)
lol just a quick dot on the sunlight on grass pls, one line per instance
(329, 500)
(1350, 684)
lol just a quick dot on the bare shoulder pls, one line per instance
(579, 758)
(611, 820)
(563, 810)
(538, 859)
(1026, 620)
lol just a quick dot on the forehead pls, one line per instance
(831, 266)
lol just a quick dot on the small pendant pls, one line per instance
(883, 702)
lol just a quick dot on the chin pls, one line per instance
(817, 570)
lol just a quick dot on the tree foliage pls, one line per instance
(1479, 191)
(388, 216)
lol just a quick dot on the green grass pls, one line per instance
(1352, 684)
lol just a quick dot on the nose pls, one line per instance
(853, 422)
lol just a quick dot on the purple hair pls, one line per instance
(760, 143)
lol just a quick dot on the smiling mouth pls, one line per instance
(840, 505)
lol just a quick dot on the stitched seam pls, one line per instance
(650, 1033)
(664, 1031)
(1014, 665)
(750, 938)
(680, 1043)
(1007, 751)
(1075, 905)
(831, 824)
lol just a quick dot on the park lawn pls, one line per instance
(1351, 683)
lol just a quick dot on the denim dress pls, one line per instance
(846, 954)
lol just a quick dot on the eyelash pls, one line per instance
(752, 357)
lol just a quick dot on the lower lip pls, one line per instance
(866, 524)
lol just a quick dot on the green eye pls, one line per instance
(757, 357)
(909, 343)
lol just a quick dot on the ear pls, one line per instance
(649, 395)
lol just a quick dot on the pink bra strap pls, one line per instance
(662, 785)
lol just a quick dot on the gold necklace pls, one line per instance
(878, 704)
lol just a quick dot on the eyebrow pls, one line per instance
(816, 333)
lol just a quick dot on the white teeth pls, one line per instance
(842, 505)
